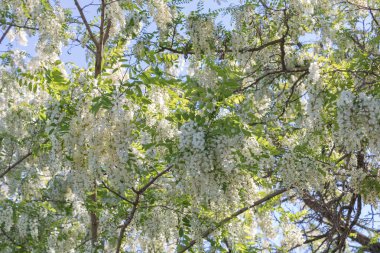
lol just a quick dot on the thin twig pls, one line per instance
(232, 216)
(15, 164)
(116, 193)
(135, 204)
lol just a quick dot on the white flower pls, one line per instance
(11, 35)
(161, 14)
(23, 38)
(314, 72)
(199, 140)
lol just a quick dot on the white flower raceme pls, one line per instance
(33, 227)
(161, 13)
(6, 218)
(315, 98)
(205, 76)
(292, 236)
(11, 35)
(201, 31)
(358, 119)
(314, 71)
(302, 172)
(178, 67)
(116, 17)
(191, 136)
(22, 225)
(22, 38)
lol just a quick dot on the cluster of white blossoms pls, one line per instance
(161, 14)
(6, 218)
(210, 165)
(315, 97)
(178, 67)
(304, 6)
(192, 137)
(100, 142)
(224, 150)
(52, 36)
(205, 76)
(22, 225)
(358, 119)
(158, 111)
(201, 31)
(266, 225)
(56, 243)
(28, 226)
(48, 20)
(195, 161)
(115, 14)
(19, 120)
(293, 236)
(159, 225)
(314, 72)
(159, 97)
(242, 20)
(257, 104)
(21, 35)
(302, 172)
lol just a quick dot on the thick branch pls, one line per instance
(5, 33)
(102, 20)
(84, 19)
(126, 222)
(339, 225)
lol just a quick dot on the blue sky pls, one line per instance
(77, 55)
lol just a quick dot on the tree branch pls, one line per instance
(339, 225)
(116, 193)
(135, 204)
(281, 71)
(5, 33)
(232, 216)
(15, 164)
(10, 238)
(84, 19)
(22, 26)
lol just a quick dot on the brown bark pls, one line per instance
(99, 45)
(339, 226)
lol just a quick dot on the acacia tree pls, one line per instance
(258, 133)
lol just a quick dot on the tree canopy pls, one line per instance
(190, 126)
